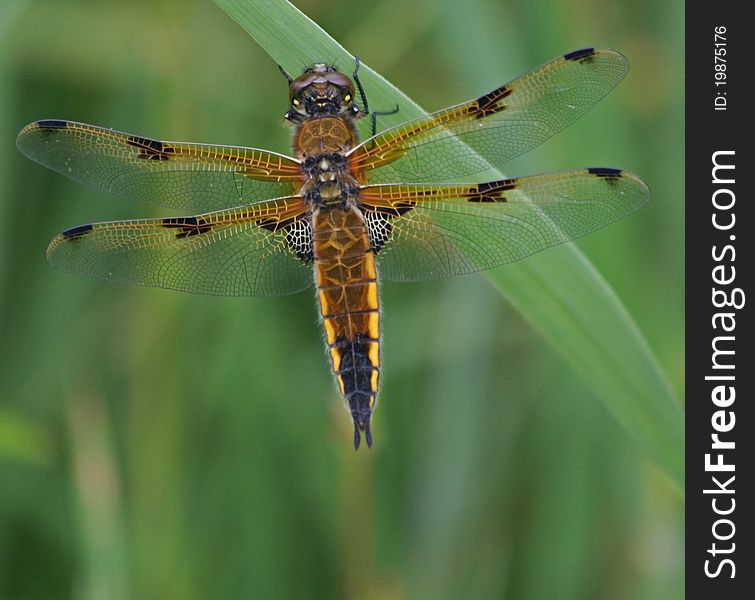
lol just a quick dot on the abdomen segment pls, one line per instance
(349, 306)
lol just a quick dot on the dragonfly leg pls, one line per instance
(366, 110)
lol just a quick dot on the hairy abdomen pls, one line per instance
(348, 296)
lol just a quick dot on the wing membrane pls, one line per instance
(488, 131)
(249, 251)
(428, 232)
(191, 177)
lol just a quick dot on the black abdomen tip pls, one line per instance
(362, 424)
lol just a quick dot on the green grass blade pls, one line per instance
(559, 292)
(565, 298)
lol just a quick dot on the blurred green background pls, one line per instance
(160, 445)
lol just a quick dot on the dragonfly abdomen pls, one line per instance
(349, 306)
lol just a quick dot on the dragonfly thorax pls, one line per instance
(324, 135)
(328, 181)
(325, 167)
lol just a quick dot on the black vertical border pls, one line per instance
(709, 130)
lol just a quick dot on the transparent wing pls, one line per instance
(471, 137)
(258, 250)
(191, 177)
(427, 232)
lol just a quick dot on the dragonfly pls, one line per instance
(341, 213)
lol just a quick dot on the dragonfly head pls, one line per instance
(320, 91)
(361, 412)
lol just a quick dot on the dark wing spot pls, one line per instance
(604, 172)
(379, 228)
(76, 232)
(499, 185)
(188, 226)
(491, 191)
(610, 175)
(150, 149)
(299, 239)
(146, 143)
(269, 224)
(274, 225)
(298, 231)
(495, 96)
(379, 221)
(490, 103)
(585, 54)
(52, 124)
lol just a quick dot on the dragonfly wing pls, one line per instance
(490, 130)
(427, 232)
(190, 177)
(258, 250)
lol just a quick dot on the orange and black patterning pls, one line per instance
(343, 213)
